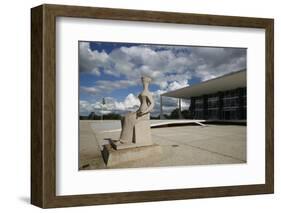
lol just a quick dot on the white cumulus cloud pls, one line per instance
(170, 67)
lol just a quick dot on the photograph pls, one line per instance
(141, 105)
(161, 105)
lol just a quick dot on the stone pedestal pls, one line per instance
(113, 157)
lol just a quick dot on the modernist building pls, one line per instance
(222, 98)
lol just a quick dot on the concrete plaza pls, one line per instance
(181, 145)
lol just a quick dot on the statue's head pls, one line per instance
(145, 79)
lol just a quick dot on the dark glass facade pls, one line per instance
(225, 105)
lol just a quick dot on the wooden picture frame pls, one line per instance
(43, 105)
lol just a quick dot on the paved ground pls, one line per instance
(182, 145)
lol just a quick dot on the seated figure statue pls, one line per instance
(136, 125)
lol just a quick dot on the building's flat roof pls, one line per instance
(226, 82)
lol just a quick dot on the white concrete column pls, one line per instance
(180, 115)
(161, 108)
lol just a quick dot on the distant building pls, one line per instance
(222, 98)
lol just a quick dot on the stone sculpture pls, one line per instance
(136, 125)
(135, 142)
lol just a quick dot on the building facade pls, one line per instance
(221, 98)
(224, 105)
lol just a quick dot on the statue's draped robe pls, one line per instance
(129, 121)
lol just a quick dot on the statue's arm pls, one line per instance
(151, 105)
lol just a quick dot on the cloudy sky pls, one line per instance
(113, 70)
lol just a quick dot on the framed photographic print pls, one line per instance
(136, 106)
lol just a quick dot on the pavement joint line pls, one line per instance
(200, 148)
(194, 140)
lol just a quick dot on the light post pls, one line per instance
(102, 105)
